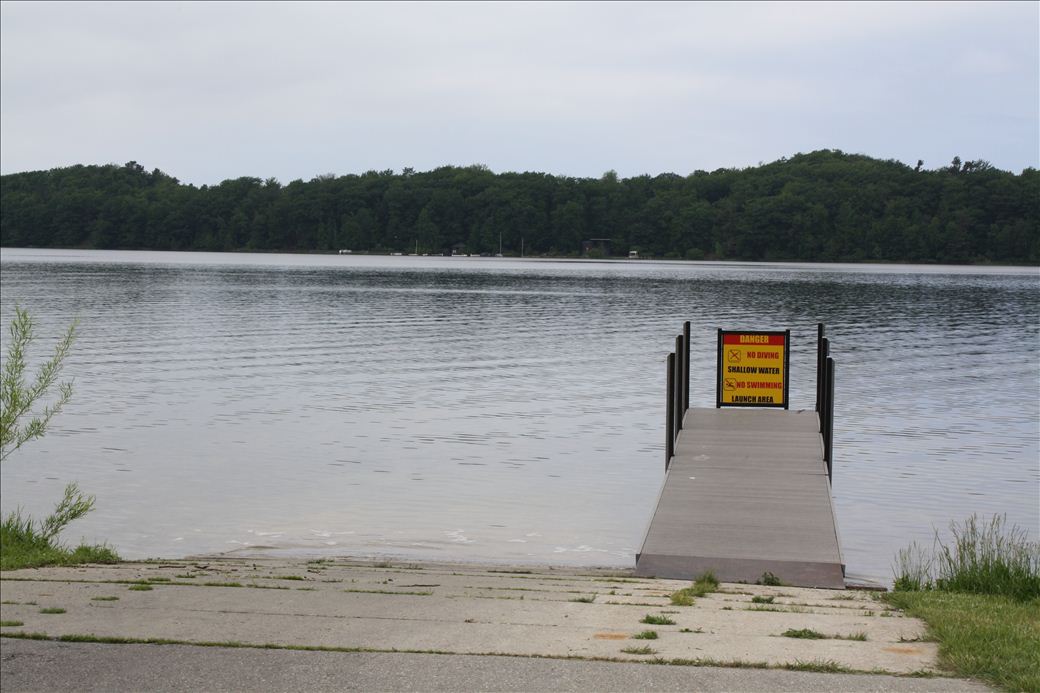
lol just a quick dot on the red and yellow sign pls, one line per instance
(752, 369)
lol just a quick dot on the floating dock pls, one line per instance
(746, 492)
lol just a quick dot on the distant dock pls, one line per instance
(747, 490)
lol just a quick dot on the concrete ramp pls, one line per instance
(746, 493)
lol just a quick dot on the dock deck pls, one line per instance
(746, 492)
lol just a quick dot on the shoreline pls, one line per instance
(619, 260)
(348, 606)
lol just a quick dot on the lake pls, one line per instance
(502, 410)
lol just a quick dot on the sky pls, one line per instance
(211, 91)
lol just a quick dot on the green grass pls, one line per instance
(104, 599)
(990, 637)
(769, 579)
(804, 633)
(779, 609)
(22, 545)
(288, 577)
(646, 635)
(657, 620)
(11, 624)
(980, 596)
(583, 600)
(981, 558)
(704, 584)
(683, 597)
(644, 650)
(52, 610)
(141, 588)
(687, 630)
(759, 599)
(809, 634)
(820, 666)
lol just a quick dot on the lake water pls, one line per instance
(495, 409)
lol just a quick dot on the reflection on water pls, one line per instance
(500, 410)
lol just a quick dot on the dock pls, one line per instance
(746, 492)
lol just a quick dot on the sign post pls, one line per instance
(752, 369)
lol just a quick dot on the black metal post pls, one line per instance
(669, 425)
(828, 440)
(819, 365)
(821, 380)
(686, 365)
(679, 377)
(718, 369)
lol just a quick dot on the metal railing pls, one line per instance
(678, 394)
(825, 397)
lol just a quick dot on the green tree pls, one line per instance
(824, 206)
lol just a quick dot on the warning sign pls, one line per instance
(752, 369)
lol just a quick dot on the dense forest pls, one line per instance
(822, 206)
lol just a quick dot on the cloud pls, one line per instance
(212, 90)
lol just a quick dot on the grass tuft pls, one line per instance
(644, 650)
(982, 558)
(759, 599)
(804, 633)
(769, 579)
(657, 620)
(683, 597)
(24, 544)
(104, 599)
(646, 635)
(140, 588)
(583, 600)
(11, 624)
(705, 583)
(827, 666)
(52, 610)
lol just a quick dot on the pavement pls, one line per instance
(291, 624)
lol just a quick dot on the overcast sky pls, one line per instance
(209, 91)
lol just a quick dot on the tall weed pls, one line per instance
(981, 558)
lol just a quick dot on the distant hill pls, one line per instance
(823, 206)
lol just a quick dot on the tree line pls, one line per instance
(823, 206)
